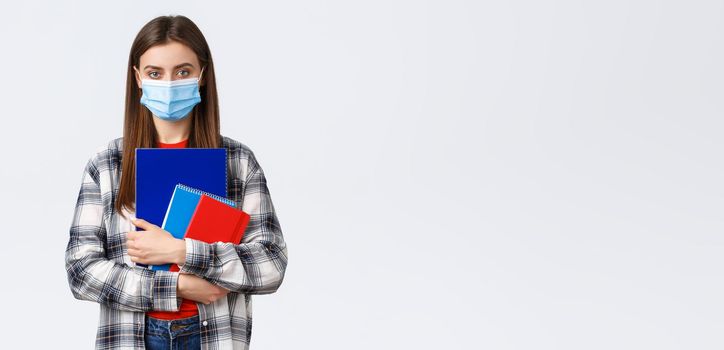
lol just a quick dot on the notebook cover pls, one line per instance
(180, 209)
(158, 170)
(216, 221)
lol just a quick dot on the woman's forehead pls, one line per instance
(169, 56)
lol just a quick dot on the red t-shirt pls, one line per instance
(188, 307)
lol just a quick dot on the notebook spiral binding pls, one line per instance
(200, 192)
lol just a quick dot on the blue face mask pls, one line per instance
(171, 100)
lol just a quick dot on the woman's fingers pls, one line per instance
(145, 225)
(134, 252)
(198, 289)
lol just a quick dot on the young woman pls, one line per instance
(171, 101)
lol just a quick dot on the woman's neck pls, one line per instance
(172, 132)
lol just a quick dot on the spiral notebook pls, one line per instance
(216, 221)
(196, 214)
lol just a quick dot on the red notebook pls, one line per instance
(215, 221)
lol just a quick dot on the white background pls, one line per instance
(447, 174)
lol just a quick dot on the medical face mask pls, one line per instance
(171, 100)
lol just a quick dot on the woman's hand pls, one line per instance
(198, 289)
(154, 245)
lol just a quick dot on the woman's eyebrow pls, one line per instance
(178, 66)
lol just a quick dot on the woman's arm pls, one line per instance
(95, 278)
(257, 265)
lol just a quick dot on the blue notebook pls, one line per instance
(180, 210)
(158, 170)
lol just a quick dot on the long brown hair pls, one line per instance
(138, 128)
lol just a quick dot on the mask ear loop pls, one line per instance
(140, 76)
(201, 74)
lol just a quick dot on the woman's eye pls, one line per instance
(183, 73)
(153, 74)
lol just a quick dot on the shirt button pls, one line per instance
(205, 323)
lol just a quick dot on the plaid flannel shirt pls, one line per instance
(100, 270)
